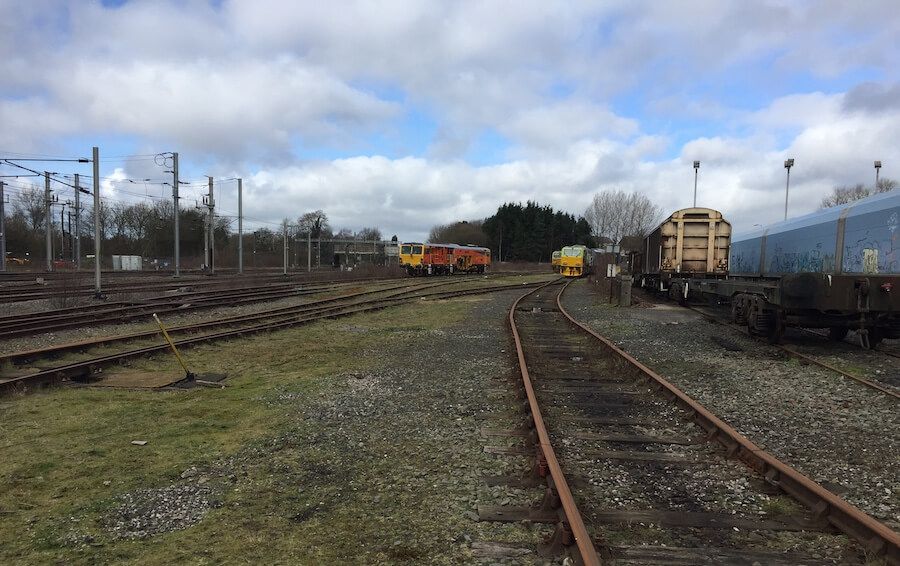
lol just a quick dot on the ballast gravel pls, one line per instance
(414, 421)
(837, 432)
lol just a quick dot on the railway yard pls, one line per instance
(386, 422)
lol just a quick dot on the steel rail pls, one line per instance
(875, 536)
(93, 365)
(125, 311)
(863, 380)
(271, 314)
(792, 352)
(583, 541)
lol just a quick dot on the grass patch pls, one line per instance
(781, 506)
(66, 457)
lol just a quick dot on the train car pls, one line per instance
(834, 269)
(575, 261)
(692, 243)
(443, 259)
(469, 259)
(554, 261)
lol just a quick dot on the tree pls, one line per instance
(618, 218)
(459, 233)
(264, 240)
(30, 203)
(844, 194)
(313, 224)
(532, 232)
(369, 235)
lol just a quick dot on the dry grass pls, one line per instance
(285, 484)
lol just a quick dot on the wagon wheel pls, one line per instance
(775, 333)
(738, 314)
(765, 322)
(870, 337)
(776, 328)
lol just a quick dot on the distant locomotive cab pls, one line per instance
(575, 261)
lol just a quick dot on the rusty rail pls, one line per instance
(876, 537)
(583, 541)
(90, 367)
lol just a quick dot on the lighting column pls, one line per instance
(2, 233)
(696, 170)
(788, 163)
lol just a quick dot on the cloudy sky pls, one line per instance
(405, 114)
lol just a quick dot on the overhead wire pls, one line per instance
(195, 189)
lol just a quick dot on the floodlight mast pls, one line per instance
(787, 165)
(696, 170)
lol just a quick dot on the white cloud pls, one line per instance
(310, 101)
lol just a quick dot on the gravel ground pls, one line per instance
(397, 443)
(395, 447)
(839, 433)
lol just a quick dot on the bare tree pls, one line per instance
(844, 194)
(369, 234)
(885, 185)
(614, 215)
(139, 220)
(119, 218)
(105, 216)
(313, 223)
(30, 203)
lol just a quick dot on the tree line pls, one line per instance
(516, 232)
(844, 194)
(148, 230)
(533, 232)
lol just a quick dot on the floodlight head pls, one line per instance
(789, 163)
(878, 165)
(696, 164)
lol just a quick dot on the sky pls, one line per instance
(402, 115)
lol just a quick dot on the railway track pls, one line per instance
(69, 286)
(185, 300)
(821, 352)
(91, 366)
(652, 472)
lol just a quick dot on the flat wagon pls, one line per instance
(834, 269)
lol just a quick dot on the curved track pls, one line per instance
(222, 329)
(185, 300)
(629, 433)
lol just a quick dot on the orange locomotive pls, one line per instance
(438, 259)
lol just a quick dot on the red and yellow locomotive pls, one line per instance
(440, 259)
